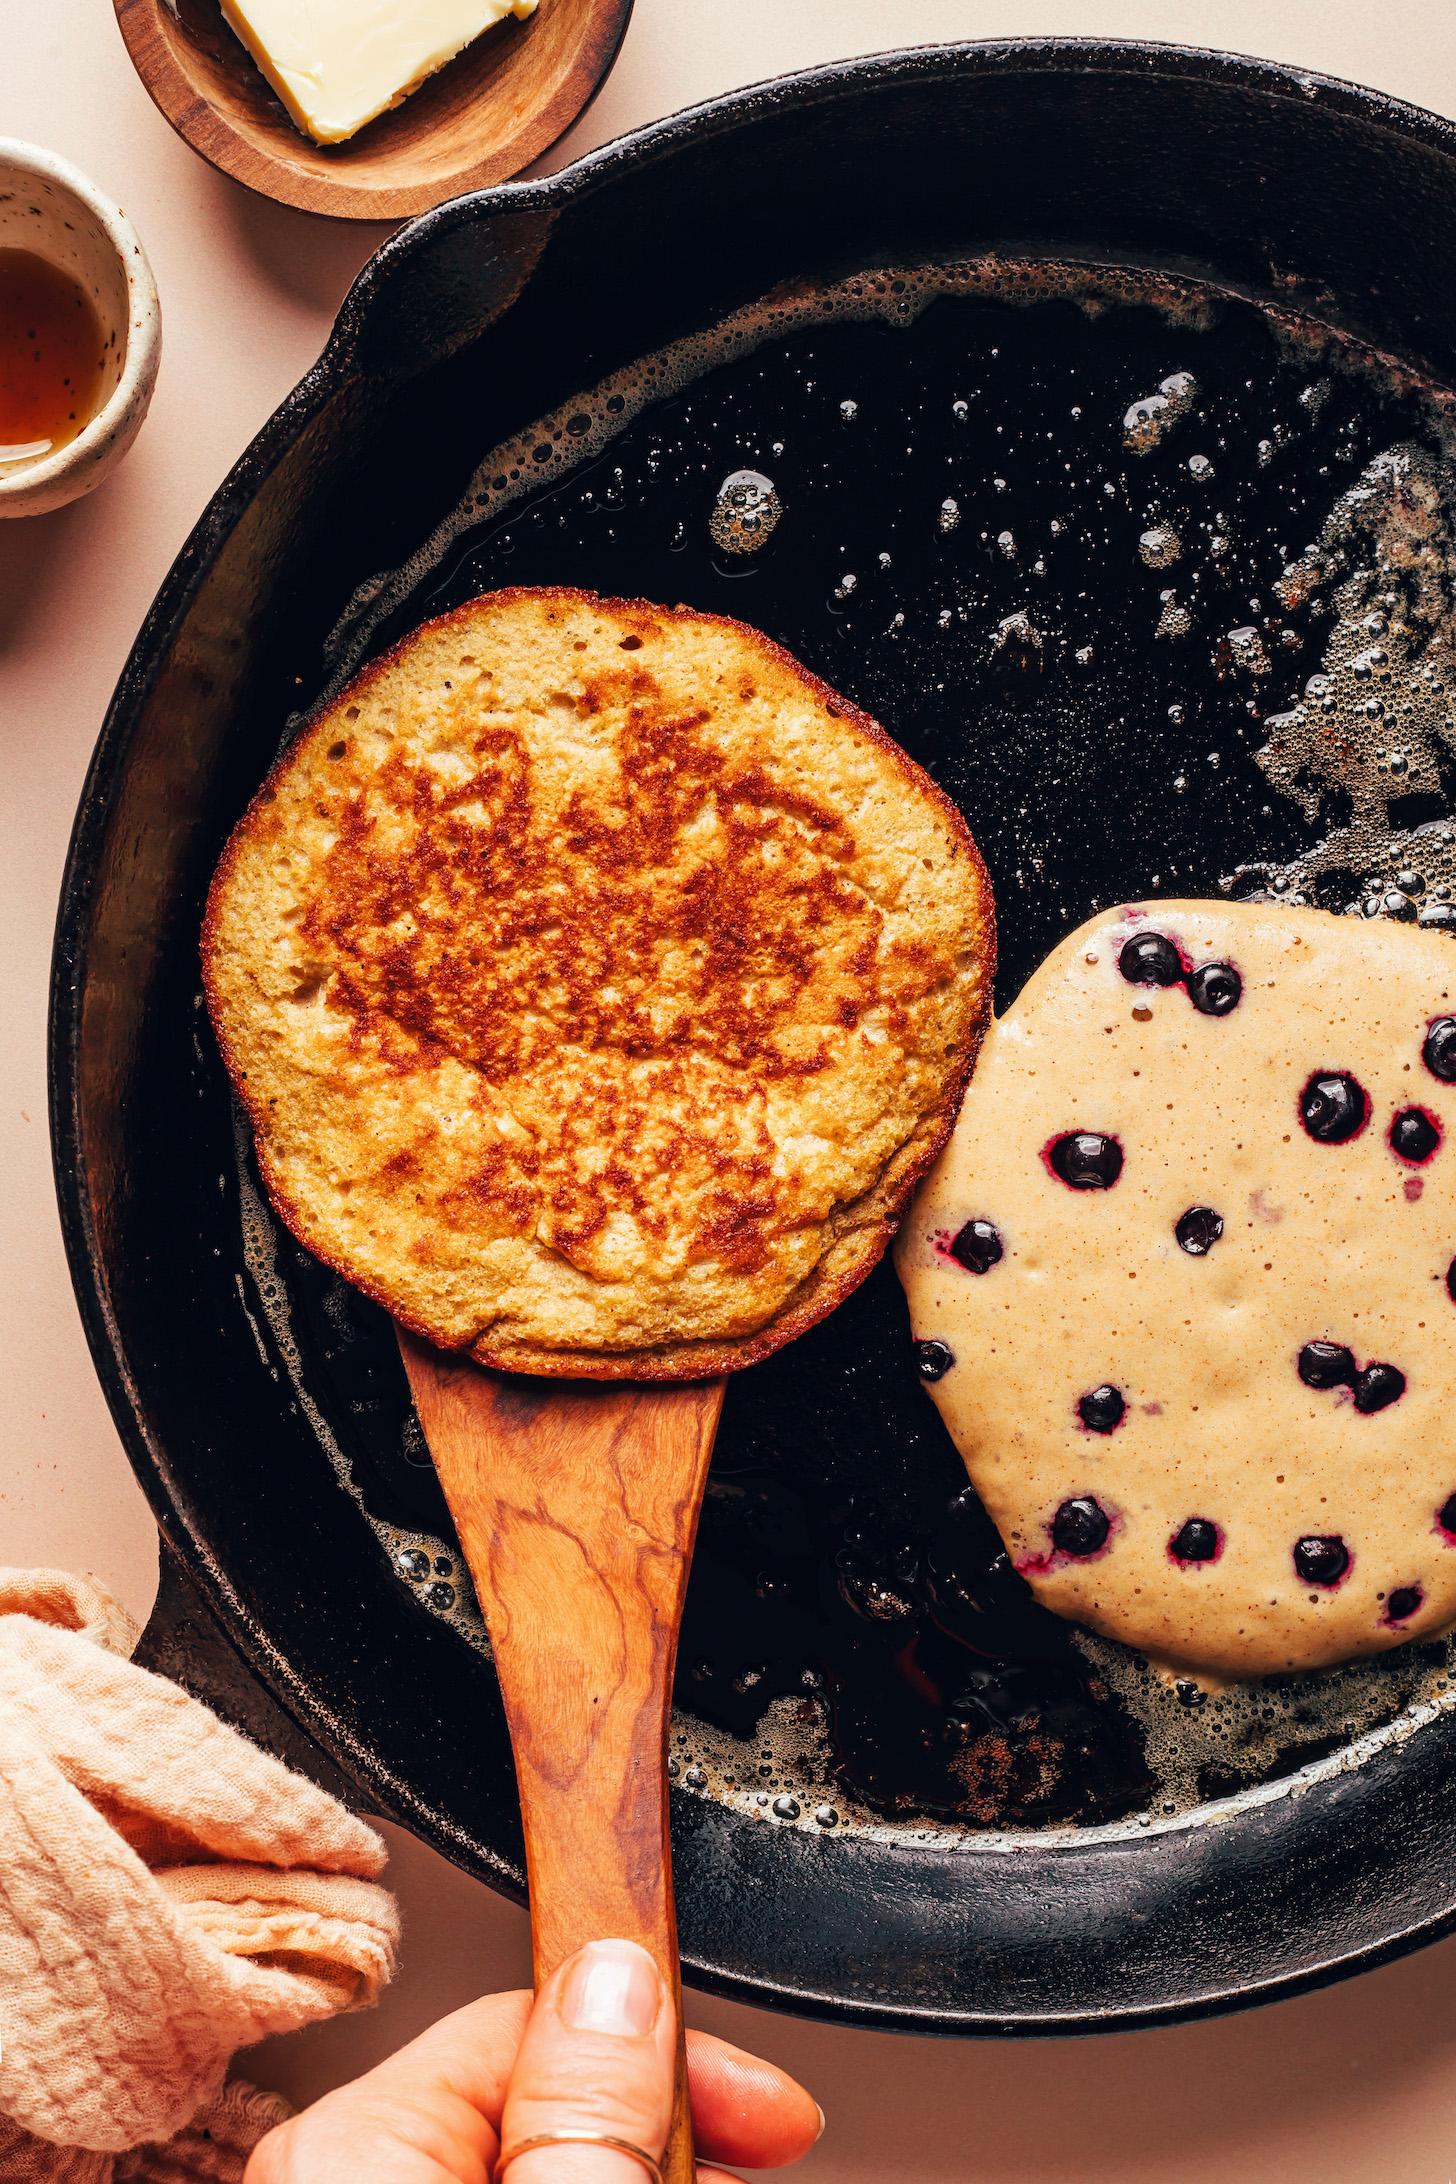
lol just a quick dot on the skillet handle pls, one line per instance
(185, 1642)
(439, 283)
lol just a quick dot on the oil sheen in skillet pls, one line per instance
(956, 474)
(1237, 1459)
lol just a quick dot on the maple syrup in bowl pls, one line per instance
(52, 359)
(80, 332)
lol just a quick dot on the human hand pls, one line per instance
(594, 2053)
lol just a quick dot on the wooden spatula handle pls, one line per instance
(576, 1505)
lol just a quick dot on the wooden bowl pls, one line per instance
(481, 119)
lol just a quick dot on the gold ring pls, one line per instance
(509, 2154)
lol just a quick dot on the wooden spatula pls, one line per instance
(576, 1504)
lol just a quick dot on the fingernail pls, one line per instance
(612, 1987)
(823, 2124)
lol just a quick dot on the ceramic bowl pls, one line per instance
(49, 207)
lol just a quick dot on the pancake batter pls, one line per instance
(1182, 1283)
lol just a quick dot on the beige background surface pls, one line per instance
(1358, 2082)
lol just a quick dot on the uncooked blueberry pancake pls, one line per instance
(1183, 1283)
(598, 983)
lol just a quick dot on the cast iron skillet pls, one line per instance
(465, 327)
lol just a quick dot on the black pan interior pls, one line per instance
(841, 1563)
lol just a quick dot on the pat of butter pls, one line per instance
(337, 63)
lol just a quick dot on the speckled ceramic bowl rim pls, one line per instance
(141, 298)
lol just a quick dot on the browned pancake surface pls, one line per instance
(598, 982)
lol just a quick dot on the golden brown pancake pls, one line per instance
(598, 983)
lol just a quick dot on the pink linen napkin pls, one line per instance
(168, 1894)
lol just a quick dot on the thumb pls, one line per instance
(598, 2057)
